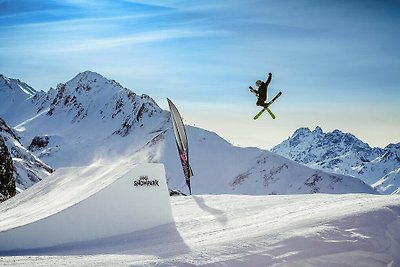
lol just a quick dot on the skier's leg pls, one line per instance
(260, 102)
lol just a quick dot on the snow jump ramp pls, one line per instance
(85, 203)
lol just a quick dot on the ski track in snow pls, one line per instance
(228, 230)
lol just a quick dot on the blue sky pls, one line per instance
(337, 62)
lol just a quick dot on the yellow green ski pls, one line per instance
(267, 108)
(262, 111)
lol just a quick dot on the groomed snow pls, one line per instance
(227, 230)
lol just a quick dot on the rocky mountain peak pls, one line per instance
(89, 93)
(318, 130)
(89, 81)
(16, 86)
(303, 131)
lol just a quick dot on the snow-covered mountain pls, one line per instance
(343, 153)
(27, 168)
(91, 118)
(14, 94)
(87, 118)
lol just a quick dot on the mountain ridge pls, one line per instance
(339, 152)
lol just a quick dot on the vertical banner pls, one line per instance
(181, 142)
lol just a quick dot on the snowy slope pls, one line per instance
(219, 167)
(390, 183)
(90, 118)
(27, 168)
(340, 152)
(232, 230)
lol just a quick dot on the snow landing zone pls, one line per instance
(343, 230)
(85, 203)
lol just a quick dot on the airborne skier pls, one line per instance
(261, 92)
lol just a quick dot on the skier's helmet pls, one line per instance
(258, 82)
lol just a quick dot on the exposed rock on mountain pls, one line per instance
(7, 183)
(27, 168)
(339, 152)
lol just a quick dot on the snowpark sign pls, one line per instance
(145, 181)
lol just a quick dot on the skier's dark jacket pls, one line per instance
(262, 90)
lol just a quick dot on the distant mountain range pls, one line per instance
(343, 153)
(93, 119)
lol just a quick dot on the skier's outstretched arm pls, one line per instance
(253, 90)
(269, 78)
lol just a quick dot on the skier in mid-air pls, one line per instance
(261, 92)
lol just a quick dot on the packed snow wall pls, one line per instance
(86, 203)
